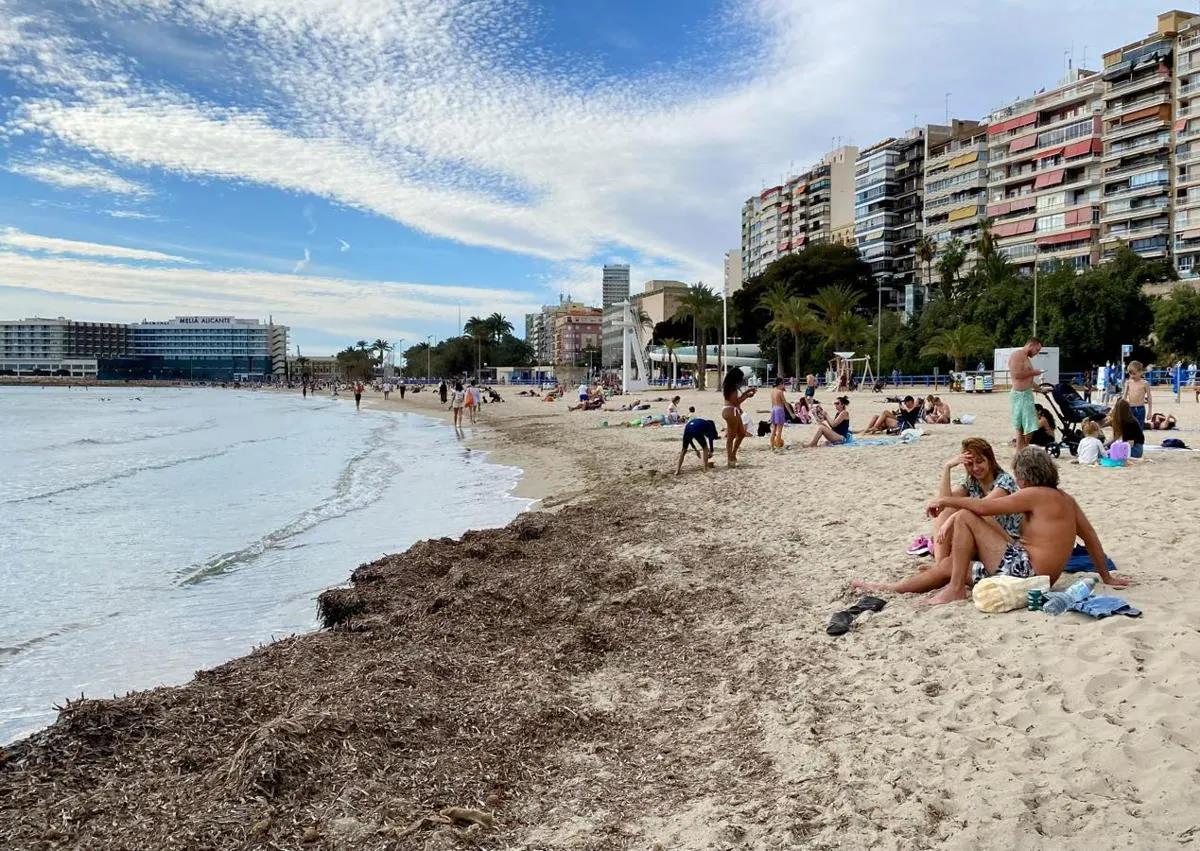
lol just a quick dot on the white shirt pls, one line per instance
(1090, 450)
(583, 390)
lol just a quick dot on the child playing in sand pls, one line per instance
(1091, 448)
(703, 432)
(1137, 393)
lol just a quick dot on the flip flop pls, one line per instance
(841, 621)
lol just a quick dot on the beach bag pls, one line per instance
(1174, 443)
(1119, 450)
(997, 594)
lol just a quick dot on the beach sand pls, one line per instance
(644, 664)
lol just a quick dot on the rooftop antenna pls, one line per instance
(947, 107)
(1083, 60)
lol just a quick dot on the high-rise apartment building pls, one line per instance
(1139, 104)
(956, 181)
(807, 209)
(1044, 159)
(889, 180)
(577, 334)
(1186, 223)
(615, 285)
(733, 271)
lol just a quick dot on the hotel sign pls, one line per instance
(206, 320)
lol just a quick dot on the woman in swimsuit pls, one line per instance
(836, 430)
(735, 429)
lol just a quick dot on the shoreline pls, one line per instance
(666, 636)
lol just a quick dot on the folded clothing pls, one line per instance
(1081, 562)
(1103, 607)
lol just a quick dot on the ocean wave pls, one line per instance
(134, 471)
(137, 438)
(364, 479)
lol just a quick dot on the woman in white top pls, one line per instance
(458, 400)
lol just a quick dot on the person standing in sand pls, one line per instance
(1137, 393)
(703, 432)
(1052, 522)
(735, 429)
(402, 388)
(779, 412)
(358, 391)
(1021, 373)
(442, 391)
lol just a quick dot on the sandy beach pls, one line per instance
(643, 663)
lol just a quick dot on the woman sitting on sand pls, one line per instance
(673, 415)
(937, 411)
(836, 430)
(735, 428)
(985, 478)
(1125, 427)
(802, 412)
(1162, 422)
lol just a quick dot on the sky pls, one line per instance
(379, 168)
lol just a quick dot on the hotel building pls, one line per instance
(576, 330)
(1044, 160)
(615, 284)
(956, 190)
(805, 210)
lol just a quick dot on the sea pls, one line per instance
(147, 533)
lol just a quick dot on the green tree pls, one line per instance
(380, 348)
(498, 326)
(842, 326)
(670, 345)
(958, 344)
(775, 301)
(924, 250)
(795, 317)
(1177, 323)
(703, 307)
(355, 363)
(949, 265)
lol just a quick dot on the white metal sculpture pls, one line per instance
(633, 352)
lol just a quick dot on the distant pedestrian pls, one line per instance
(387, 390)
(442, 391)
(457, 403)
(358, 391)
(304, 389)
(403, 387)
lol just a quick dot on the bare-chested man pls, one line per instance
(1137, 393)
(1052, 522)
(1021, 373)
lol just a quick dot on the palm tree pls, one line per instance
(380, 347)
(774, 301)
(925, 249)
(703, 306)
(305, 370)
(794, 317)
(985, 242)
(477, 328)
(670, 345)
(835, 305)
(362, 345)
(498, 326)
(958, 344)
(954, 256)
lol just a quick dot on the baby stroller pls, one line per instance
(1072, 411)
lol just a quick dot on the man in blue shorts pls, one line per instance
(703, 432)
(1022, 374)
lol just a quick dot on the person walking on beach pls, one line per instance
(1137, 392)
(457, 402)
(442, 391)
(473, 400)
(387, 389)
(403, 387)
(358, 391)
(1021, 373)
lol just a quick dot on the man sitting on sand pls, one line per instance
(1053, 520)
(904, 417)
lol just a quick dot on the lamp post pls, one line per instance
(1035, 294)
(428, 358)
(879, 328)
(724, 326)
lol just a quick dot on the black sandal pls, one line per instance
(841, 621)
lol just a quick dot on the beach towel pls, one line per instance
(1081, 562)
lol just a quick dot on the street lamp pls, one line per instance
(428, 358)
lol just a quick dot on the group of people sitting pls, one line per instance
(993, 523)
(910, 413)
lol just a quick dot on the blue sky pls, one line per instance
(367, 168)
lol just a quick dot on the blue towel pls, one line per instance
(1103, 607)
(1081, 562)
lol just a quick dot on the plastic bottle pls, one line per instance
(1057, 602)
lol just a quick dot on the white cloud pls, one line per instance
(451, 118)
(12, 238)
(343, 246)
(301, 265)
(336, 306)
(132, 214)
(81, 176)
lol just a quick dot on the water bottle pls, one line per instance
(1057, 602)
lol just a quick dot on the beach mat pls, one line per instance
(1081, 562)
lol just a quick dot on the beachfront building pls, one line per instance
(1139, 100)
(614, 284)
(660, 299)
(577, 335)
(889, 180)
(733, 271)
(1186, 224)
(956, 187)
(806, 209)
(1044, 159)
(209, 348)
(58, 346)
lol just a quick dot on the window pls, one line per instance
(1055, 222)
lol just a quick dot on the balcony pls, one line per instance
(1138, 128)
(1152, 99)
(1130, 213)
(1137, 84)
(1146, 229)
(1134, 168)
(1162, 188)
(1149, 144)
